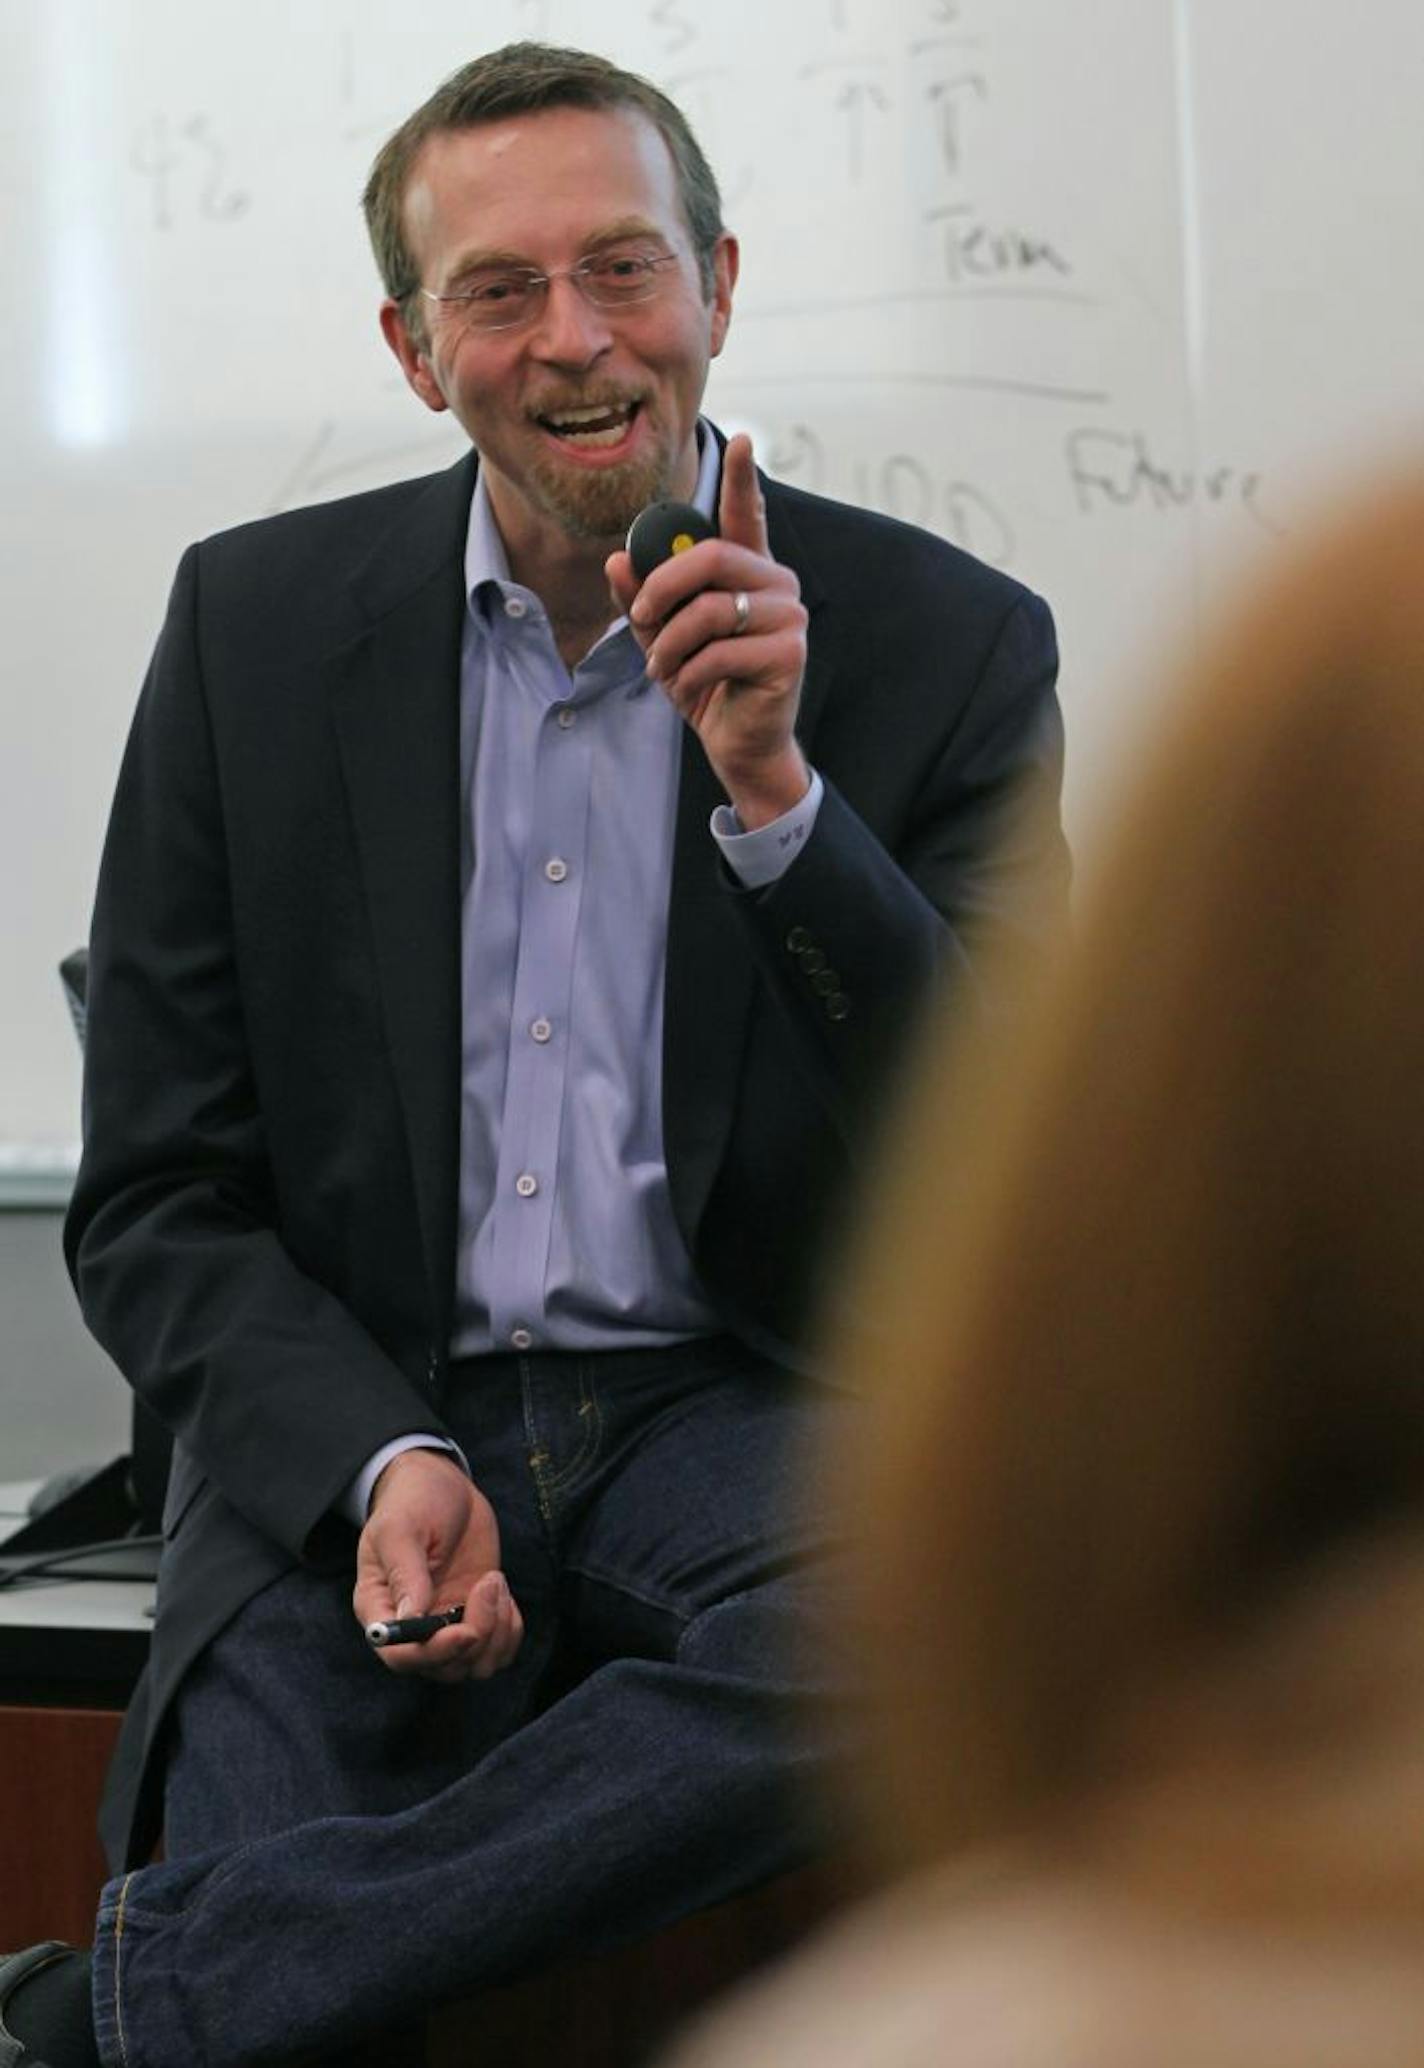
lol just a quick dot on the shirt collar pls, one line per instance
(486, 559)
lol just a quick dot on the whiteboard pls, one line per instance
(1111, 293)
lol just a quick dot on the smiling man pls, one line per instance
(581, 398)
(496, 970)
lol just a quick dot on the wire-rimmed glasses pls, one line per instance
(504, 297)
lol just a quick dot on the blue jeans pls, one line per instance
(346, 1848)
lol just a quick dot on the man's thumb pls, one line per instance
(409, 1585)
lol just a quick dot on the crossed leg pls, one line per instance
(346, 1849)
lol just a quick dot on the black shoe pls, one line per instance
(16, 1968)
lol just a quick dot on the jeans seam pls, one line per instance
(533, 1449)
(548, 1486)
(592, 1416)
(119, 1920)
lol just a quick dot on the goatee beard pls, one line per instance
(600, 505)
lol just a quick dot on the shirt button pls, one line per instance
(526, 1184)
(556, 869)
(540, 1029)
(515, 607)
(522, 1338)
(566, 716)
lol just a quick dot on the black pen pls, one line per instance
(411, 1629)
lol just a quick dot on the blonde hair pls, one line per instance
(1155, 1283)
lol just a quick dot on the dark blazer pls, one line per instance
(263, 1228)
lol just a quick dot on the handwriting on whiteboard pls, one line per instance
(186, 165)
(974, 250)
(1117, 470)
(899, 484)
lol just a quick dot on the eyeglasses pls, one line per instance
(506, 296)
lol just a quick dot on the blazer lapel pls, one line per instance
(396, 707)
(710, 976)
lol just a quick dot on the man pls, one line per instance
(490, 995)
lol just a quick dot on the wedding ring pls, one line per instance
(742, 605)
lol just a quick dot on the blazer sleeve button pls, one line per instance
(797, 939)
(837, 1006)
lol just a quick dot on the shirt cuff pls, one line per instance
(356, 1501)
(759, 858)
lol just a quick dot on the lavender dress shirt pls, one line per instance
(567, 1238)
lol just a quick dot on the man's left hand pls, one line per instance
(732, 668)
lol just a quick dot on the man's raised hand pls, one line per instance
(723, 630)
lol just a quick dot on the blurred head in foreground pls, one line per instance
(1142, 1460)
(1146, 1464)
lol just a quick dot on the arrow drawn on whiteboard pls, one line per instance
(855, 96)
(152, 156)
(705, 100)
(950, 96)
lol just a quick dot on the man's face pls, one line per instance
(545, 191)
